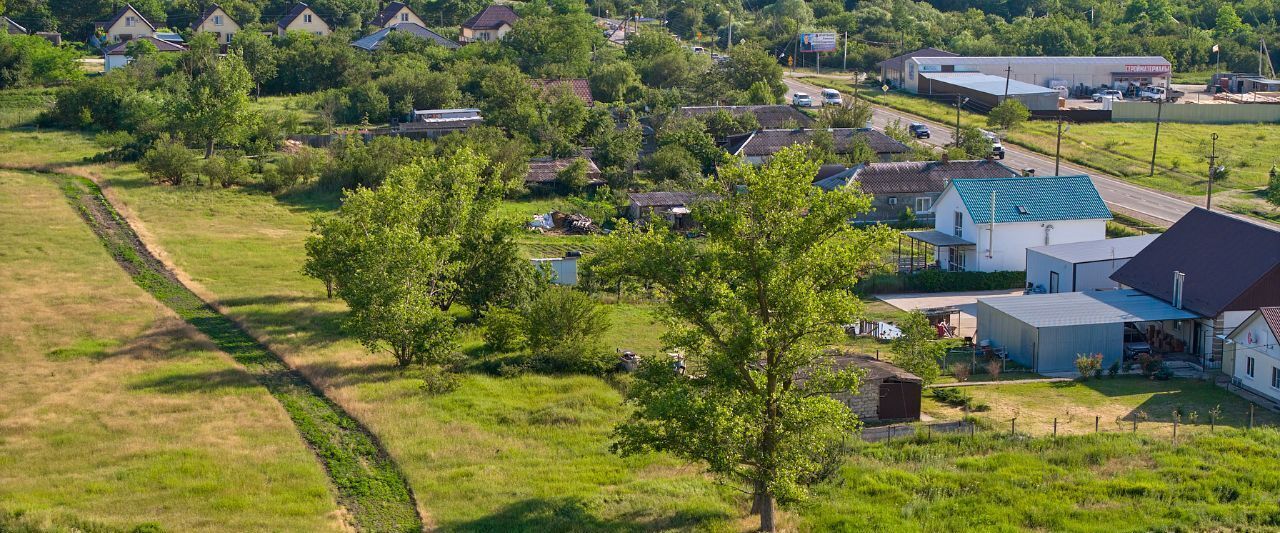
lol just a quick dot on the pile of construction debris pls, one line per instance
(557, 222)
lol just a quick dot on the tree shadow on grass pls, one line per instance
(201, 381)
(298, 320)
(574, 514)
(311, 199)
(336, 375)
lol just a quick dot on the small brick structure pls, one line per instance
(886, 392)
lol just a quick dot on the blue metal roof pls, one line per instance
(1031, 199)
(1086, 308)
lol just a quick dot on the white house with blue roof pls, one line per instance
(986, 225)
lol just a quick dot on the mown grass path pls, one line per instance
(369, 485)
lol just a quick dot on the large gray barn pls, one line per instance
(1046, 332)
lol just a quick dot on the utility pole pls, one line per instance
(731, 31)
(1008, 71)
(1156, 144)
(1057, 151)
(959, 103)
(844, 63)
(1213, 170)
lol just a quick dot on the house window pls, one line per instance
(128, 21)
(404, 17)
(229, 36)
(306, 18)
(893, 200)
(959, 230)
(1248, 367)
(1275, 377)
(1053, 282)
(923, 204)
(217, 20)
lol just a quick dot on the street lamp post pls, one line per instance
(1057, 151)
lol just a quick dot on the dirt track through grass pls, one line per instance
(368, 485)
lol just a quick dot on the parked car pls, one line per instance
(831, 97)
(801, 100)
(918, 130)
(1156, 94)
(1108, 94)
(997, 149)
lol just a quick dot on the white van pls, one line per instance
(831, 97)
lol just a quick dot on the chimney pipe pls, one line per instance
(1179, 281)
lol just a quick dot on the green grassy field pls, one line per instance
(1108, 482)
(20, 107)
(530, 453)
(114, 411)
(1124, 149)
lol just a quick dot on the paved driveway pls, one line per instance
(967, 302)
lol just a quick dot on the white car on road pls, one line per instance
(831, 97)
(801, 100)
(1111, 94)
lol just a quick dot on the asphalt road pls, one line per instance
(1149, 205)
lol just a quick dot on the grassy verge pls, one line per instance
(19, 107)
(114, 413)
(368, 484)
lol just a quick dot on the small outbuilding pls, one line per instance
(1046, 332)
(1081, 266)
(887, 393)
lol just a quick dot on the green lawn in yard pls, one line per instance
(1124, 149)
(112, 410)
(302, 105)
(1118, 401)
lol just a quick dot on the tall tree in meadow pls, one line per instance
(259, 56)
(402, 254)
(752, 306)
(214, 105)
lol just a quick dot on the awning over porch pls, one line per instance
(938, 238)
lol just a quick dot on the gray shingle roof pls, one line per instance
(1031, 199)
(924, 176)
(374, 40)
(11, 27)
(767, 142)
(294, 12)
(121, 47)
(1230, 264)
(492, 17)
(546, 170)
(769, 116)
(662, 199)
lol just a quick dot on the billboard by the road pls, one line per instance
(817, 42)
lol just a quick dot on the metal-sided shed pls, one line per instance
(1046, 332)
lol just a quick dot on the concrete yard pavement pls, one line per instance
(966, 302)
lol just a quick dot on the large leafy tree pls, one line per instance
(215, 103)
(399, 255)
(918, 350)
(753, 306)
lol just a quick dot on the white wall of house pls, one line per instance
(405, 15)
(1255, 340)
(131, 26)
(115, 61)
(221, 25)
(1011, 239)
(469, 35)
(308, 22)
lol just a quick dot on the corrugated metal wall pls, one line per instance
(1059, 346)
(1196, 114)
(1007, 332)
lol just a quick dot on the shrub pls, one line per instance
(303, 166)
(1163, 373)
(961, 371)
(168, 161)
(1088, 365)
(564, 333)
(438, 380)
(958, 397)
(226, 170)
(1114, 369)
(504, 329)
(1149, 364)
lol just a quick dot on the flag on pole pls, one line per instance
(1215, 48)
